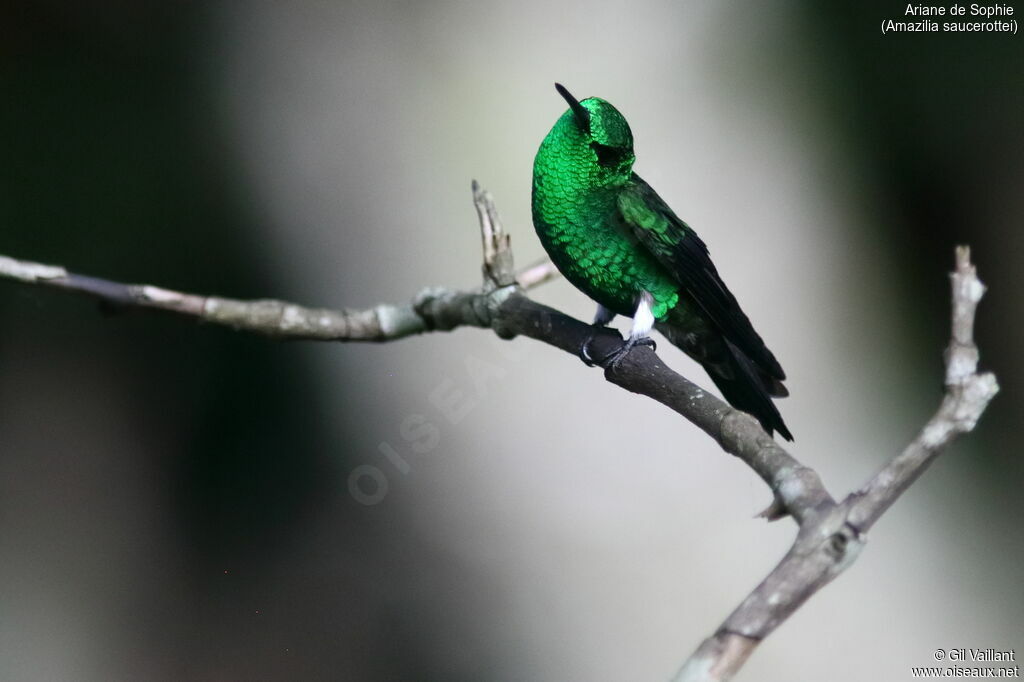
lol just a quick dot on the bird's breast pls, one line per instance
(583, 235)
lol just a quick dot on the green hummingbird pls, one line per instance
(619, 243)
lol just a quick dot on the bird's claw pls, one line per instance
(646, 341)
(615, 357)
(584, 353)
(622, 351)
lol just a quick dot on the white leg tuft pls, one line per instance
(643, 318)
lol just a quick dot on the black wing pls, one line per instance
(678, 248)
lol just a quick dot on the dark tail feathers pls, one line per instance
(748, 388)
(745, 385)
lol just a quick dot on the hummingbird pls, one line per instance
(611, 235)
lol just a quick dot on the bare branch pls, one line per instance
(967, 395)
(268, 317)
(498, 268)
(429, 310)
(797, 489)
(831, 539)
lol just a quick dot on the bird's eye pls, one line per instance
(608, 156)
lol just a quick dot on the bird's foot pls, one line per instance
(622, 351)
(584, 353)
(615, 357)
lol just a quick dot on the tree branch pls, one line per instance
(830, 535)
(797, 489)
(830, 542)
(967, 395)
(434, 308)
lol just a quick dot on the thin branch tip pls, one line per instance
(498, 264)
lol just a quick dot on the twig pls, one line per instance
(967, 395)
(830, 541)
(498, 269)
(429, 310)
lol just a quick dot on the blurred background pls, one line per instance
(176, 501)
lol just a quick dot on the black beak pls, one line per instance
(582, 115)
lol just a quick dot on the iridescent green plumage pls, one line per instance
(616, 240)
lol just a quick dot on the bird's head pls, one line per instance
(603, 130)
